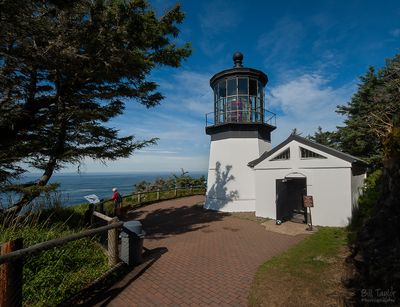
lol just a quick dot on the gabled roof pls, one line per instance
(301, 140)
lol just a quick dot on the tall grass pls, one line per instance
(52, 276)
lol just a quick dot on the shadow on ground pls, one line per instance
(165, 222)
(157, 223)
(103, 291)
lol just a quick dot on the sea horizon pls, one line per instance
(74, 186)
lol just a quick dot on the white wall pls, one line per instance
(329, 181)
(356, 188)
(330, 188)
(231, 183)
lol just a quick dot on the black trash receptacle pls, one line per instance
(132, 237)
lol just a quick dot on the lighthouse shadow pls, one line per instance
(219, 195)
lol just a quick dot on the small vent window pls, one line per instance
(285, 155)
(308, 154)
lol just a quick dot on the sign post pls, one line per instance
(308, 204)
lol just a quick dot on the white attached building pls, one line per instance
(246, 174)
(298, 167)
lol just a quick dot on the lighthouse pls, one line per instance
(240, 129)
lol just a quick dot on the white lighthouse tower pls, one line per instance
(240, 129)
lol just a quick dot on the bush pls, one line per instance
(174, 181)
(366, 202)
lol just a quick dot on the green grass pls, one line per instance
(324, 244)
(310, 267)
(52, 276)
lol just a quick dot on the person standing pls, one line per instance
(117, 200)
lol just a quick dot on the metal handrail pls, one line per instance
(240, 116)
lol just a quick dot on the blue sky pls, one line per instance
(312, 51)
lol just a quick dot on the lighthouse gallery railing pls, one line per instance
(240, 116)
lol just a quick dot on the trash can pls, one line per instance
(132, 237)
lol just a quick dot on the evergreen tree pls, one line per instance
(326, 138)
(67, 68)
(356, 136)
(376, 252)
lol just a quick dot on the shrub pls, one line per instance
(366, 202)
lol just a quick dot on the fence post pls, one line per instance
(11, 276)
(191, 189)
(158, 194)
(88, 217)
(101, 207)
(176, 191)
(113, 258)
(138, 197)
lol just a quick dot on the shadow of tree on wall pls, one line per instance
(218, 195)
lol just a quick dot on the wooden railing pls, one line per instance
(139, 195)
(12, 254)
(139, 198)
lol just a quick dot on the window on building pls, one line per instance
(308, 154)
(285, 155)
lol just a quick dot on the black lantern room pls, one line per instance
(239, 104)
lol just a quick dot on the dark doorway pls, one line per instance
(289, 199)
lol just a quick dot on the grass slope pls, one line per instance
(308, 274)
(52, 276)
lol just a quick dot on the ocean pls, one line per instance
(73, 186)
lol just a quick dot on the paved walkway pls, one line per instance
(196, 257)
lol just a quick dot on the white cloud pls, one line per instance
(307, 102)
(306, 94)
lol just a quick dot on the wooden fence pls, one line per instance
(139, 198)
(12, 255)
(140, 195)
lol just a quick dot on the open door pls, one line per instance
(289, 199)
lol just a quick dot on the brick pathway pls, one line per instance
(195, 257)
